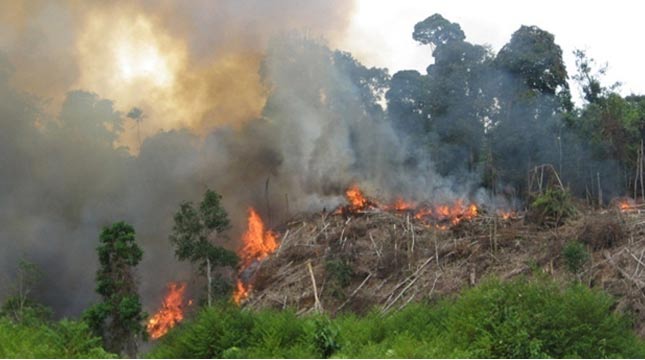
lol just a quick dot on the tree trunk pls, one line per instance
(209, 279)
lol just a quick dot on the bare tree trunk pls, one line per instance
(599, 189)
(640, 163)
(210, 279)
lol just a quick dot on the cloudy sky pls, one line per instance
(380, 31)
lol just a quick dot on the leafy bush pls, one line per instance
(522, 318)
(339, 275)
(553, 207)
(575, 256)
(65, 339)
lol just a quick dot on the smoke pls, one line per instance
(185, 65)
(193, 69)
(265, 115)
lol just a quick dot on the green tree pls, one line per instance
(195, 230)
(436, 30)
(444, 112)
(119, 318)
(532, 94)
(19, 305)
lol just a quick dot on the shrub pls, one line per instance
(65, 339)
(339, 275)
(552, 208)
(575, 256)
(522, 318)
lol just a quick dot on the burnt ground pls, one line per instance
(385, 260)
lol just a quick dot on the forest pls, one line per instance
(490, 212)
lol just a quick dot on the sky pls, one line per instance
(380, 32)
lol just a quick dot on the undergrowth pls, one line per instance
(519, 319)
(35, 339)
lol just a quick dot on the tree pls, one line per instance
(119, 318)
(444, 111)
(194, 231)
(436, 30)
(19, 306)
(532, 95)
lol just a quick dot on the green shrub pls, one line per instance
(522, 318)
(553, 207)
(575, 256)
(339, 275)
(65, 339)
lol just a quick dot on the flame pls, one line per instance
(402, 205)
(258, 243)
(506, 214)
(241, 292)
(452, 214)
(626, 205)
(170, 313)
(356, 199)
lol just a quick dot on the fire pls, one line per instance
(258, 243)
(357, 200)
(443, 216)
(506, 214)
(626, 205)
(453, 213)
(402, 205)
(241, 291)
(170, 313)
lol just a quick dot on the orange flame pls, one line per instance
(258, 243)
(241, 292)
(357, 200)
(454, 213)
(401, 205)
(170, 313)
(626, 205)
(506, 214)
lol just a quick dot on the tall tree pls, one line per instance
(194, 232)
(532, 94)
(20, 306)
(444, 112)
(436, 30)
(119, 318)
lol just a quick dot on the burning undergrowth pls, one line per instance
(171, 312)
(386, 256)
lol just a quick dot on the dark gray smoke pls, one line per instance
(62, 180)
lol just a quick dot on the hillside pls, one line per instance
(383, 258)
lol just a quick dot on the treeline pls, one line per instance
(500, 115)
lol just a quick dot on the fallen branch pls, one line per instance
(317, 305)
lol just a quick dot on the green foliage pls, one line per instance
(522, 318)
(575, 256)
(436, 30)
(119, 317)
(326, 337)
(552, 207)
(192, 234)
(339, 275)
(65, 339)
(19, 306)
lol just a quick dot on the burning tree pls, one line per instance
(194, 231)
(119, 318)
